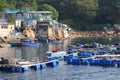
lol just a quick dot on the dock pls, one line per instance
(25, 66)
(108, 60)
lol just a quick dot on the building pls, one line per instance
(42, 23)
(45, 28)
(30, 18)
(6, 29)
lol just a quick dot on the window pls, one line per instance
(4, 27)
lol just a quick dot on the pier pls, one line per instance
(25, 66)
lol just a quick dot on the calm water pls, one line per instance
(62, 71)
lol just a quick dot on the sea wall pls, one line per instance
(75, 34)
(59, 35)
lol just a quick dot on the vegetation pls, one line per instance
(3, 5)
(79, 14)
(46, 7)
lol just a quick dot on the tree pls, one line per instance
(3, 5)
(84, 10)
(31, 4)
(11, 4)
(46, 7)
(109, 12)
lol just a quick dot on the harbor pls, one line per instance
(63, 68)
(59, 40)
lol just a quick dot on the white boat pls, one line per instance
(57, 53)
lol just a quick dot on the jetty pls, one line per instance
(26, 65)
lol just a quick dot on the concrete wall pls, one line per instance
(65, 34)
(43, 33)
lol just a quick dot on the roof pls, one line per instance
(40, 12)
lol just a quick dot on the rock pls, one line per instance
(29, 33)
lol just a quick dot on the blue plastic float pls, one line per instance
(24, 69)
(35, 67)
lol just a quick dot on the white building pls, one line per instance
(30, 18)
(6, 29)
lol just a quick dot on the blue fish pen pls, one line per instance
(69, 61)
(85, 54)
(118, 63)
(52, 64)
(17, 69)
(35, 67)
(42, 66)
(76, 61)
(94, 62)
(67, 57)
(24, 69)
(10, 69)
(84, 62)
(108, 63)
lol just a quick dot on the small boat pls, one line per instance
(57, 53)
(15, 44)
(25, 42)
(30, 43)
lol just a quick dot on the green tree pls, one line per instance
(109, 12)
(3, 5)
(22, 4)
(46, 7)
(80, 10)
(84, 10)
(11, 4)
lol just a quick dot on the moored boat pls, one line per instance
(26, 42)
(57, 53)
(30, 43)
(17, 44)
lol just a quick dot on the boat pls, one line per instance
(30, 43)
(26, 42)
(15, 44)
(57, 53)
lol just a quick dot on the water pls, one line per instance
(62, 71)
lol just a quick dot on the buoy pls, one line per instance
(76, 62)
(53, 64)
(17, 69)
(24, 69)
(84, 62)
(35, 67)
(69, 61)
(42, 66)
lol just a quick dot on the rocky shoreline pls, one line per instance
(73, 34)
(94, 34)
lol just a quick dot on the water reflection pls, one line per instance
(29, 52)
(61, 46)
(62, 72)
